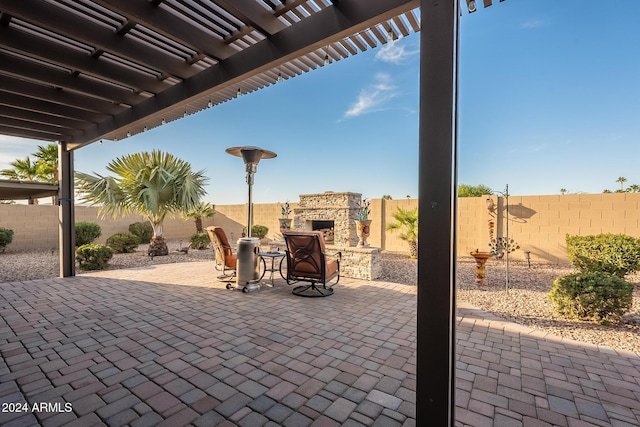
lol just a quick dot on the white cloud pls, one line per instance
(12, 148)
(374, 97)
(393, 53)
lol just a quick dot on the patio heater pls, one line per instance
(247, 265)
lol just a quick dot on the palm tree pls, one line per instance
(621, 180)
(634, 188)
(199, 211)
(153, 185)
(44, 169)
(407, 220)
(563, 191)
(22, 170)
(47, 163)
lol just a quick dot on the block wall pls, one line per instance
(538, 223)
(35, 227)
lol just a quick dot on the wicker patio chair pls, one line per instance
(226, 260)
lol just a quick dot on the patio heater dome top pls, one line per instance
(251, 155)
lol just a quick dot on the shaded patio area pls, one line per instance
(169, 345)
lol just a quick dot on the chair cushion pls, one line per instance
(331, 268)
(230, 260)
(223, 249)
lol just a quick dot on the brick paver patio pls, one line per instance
(168, 345)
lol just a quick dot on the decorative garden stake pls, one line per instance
(502, 246)
(481, 259)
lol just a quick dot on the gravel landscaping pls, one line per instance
(526, 302)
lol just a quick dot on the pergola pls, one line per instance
(79, 71)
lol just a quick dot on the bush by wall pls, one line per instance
(93, 256)
(143, 230)
(123, 243)
(596, 296)
(6, 237)
(613, 253)
(86, 232)
(259, 231)
(199, 241)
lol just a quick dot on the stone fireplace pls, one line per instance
(333, 213)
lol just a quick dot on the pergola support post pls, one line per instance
(436, 315)
(66, 215)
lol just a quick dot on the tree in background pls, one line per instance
(465, 190)
(387, 197)
(47, 163)
(563, 191)
(407, 222)
(44, 168)
(633, 188)
(153, 185)
(199, 211)
(22, 170)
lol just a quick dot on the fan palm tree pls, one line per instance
(621, 180)
(153, 185)
(199, 211)
(407, 221)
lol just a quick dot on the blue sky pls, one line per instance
(549, 99)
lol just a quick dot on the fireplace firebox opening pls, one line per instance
(326, 227)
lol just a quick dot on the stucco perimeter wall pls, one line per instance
(538, 223)
(35, 227)
(233, 218)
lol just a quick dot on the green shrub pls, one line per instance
(614, 253)
(93, 256)
(598, 296)
(123, 243)
(259, 231)
(6, 237)
(143, 230)
(199, 241)
(86, 232)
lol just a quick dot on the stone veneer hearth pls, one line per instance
(341, 208)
